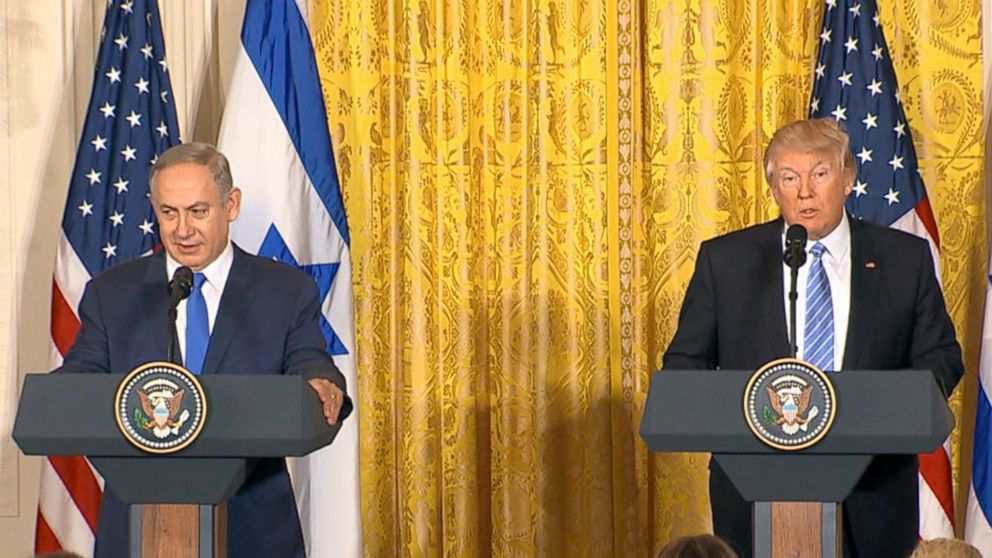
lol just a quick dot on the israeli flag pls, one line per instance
(275, 134)
(978, 520)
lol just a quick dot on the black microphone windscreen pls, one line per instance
(796, 234)
(795, 246)
(182, 282)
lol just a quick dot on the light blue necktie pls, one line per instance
(819, 333)
(197, 326)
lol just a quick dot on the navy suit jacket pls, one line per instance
(267, 323)
(733, 318)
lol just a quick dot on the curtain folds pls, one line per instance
(527, 183)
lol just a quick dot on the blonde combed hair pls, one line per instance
(818, 135)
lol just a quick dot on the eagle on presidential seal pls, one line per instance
(160, 407)
(789, 397)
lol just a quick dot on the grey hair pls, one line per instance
(201, 154)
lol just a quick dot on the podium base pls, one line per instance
(161, 530)
(785, 529)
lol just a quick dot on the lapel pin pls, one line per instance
(869, 265)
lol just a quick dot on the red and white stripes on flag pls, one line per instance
(107, 220)
(855, 83)
(71, 490)
(935, 478)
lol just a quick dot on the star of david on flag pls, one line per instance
(275, 135)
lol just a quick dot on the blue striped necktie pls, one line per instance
(819, 332)
(197, 326)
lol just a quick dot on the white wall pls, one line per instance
(47, 53)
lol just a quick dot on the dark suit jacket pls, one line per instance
(267, 323)
(733, 318)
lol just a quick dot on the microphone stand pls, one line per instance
(179, 289)
(173, 334)
(795, 257)
(793, 296)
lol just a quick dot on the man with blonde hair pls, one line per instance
(874, 304)
(945, 548)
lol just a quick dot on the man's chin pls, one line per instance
(813, 224)
(192, 261)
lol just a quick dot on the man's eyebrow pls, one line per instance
(196, 205)
(814, 166)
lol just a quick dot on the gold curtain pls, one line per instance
(527, 183)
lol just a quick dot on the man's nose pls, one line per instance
(183, 229)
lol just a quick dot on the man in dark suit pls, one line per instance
(887, 312)
(258, 316)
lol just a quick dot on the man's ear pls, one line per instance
(233, 203)
(774, 191)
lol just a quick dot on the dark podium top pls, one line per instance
(249, 416)
(878, 412)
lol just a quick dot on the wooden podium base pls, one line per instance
(168, 530)
(787, 529)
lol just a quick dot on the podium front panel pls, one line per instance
(171, 480)
(878, 412)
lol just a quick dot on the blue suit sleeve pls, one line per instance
(306, 349)
(695, 343)
(934, 345)
(90, 351)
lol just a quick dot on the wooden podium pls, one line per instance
(181, 513)
(796, 494)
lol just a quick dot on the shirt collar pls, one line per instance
(216, 271)
(838, 242)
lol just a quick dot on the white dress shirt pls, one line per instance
(216, 273)
(837, 264)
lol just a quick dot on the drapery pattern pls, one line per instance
(527, 184)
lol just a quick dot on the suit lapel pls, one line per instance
(157, 302)
(864, 294)
(239, 292)
(771, 289)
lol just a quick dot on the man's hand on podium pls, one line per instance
(331, 398)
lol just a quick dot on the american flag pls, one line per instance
(855, 83)
(108, 219)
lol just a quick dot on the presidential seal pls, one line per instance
(160, 407)
(789, 404)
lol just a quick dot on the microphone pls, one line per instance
(182, 284)
(179, 288)
(795, 246)
(795, 257)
